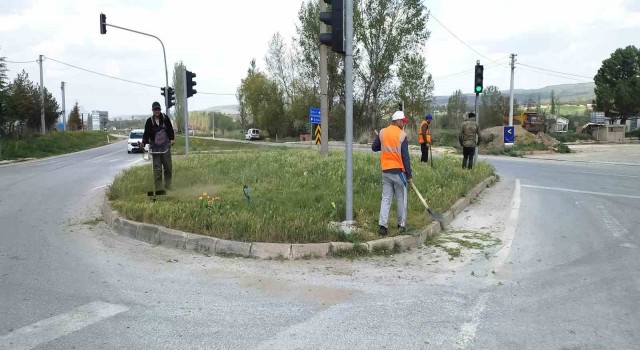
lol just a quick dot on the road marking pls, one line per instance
(136, 161)
(509, 232)
(95, 188)
(612, 224)
(114, 160)
(106, 155)
(584, 192)
(468, 329)
(52, 328)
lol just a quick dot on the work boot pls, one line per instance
(403, 229)
(382, 231)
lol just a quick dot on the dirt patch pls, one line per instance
(494, 137)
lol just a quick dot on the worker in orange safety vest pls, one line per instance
(424, 138)
(393, 146)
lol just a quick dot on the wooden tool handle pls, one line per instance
(419, 195)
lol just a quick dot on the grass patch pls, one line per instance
(52, 144)
(570, 136)
(453, 242)
(198, 145)
(357, 251)
(92, 222)
(295, 193)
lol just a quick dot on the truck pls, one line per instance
(530, 121)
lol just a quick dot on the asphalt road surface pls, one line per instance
(566, 274)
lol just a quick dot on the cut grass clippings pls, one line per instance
(453, 242)
(295, 193)
(54, 143)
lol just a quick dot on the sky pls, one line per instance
(217, 40)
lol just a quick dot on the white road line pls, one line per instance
(584, 192)
(468, 329)
(612, 224)
(106, 155)
(52, 328)
(509, 232)
(136, 161)
(95, 188)
(114, 160)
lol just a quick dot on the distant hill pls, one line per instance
(566, 93)
(226, 109)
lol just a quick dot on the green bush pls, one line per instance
(570, 136)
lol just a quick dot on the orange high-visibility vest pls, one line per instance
(391, 139)
(420, 137)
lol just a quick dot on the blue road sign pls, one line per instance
(509, 134)
(314, 115)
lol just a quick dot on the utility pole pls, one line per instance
(213, 125)
(513, 67)
(185, 113)
(43, 128)
(324, 86)
(478, 89)
(348, 68)
(64, 110)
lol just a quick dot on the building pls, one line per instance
(98, 120)
(608, 133)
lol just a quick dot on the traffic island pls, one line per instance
(292, 197)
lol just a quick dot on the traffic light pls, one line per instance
(479, 73)
(190, 84)
(335, 19)
(171, 101)
(103, 23)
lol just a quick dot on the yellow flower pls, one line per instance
(333, 205)
(200, 198)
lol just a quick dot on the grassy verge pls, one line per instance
(570, 136)
(296, 194)
(197, 145)
(521, 148)
(51, 144)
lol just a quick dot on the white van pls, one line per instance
(252, 134)
(135, 136)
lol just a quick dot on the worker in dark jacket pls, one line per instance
(159, 135)
(396, 170)
(469, 138)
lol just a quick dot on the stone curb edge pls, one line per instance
(170, 238)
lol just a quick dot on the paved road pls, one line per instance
(567, 275)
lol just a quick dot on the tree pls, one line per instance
(385, 32)
(456, 110)
(493, 107)
(265, 103)
(618, 84)
(553, 102)
(280, 66)
(416, 87)
(75, 122)
(178, 85)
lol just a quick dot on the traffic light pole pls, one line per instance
(348, 69)
(186, 114)
(477, 111)
(324, 102)
(164, 53)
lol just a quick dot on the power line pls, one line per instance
(468, 70)
(126, 80)
(555, 75)
(20, 62)
(104, 75)
(460, 40)
(554, 71)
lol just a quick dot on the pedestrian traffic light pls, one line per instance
(103, 23)
(190, 83)
(335, 19)
(170, 101)
(479, 73)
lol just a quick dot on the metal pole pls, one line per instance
(348, 67)
(513, 57)
(64, 110)
(166, 71)
(43, 128)
(324, 82)
(186, 113)
(213, 126)
(477, 120)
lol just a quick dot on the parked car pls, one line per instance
(252, 134)
(135, 137)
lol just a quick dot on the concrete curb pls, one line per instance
(158, 235)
